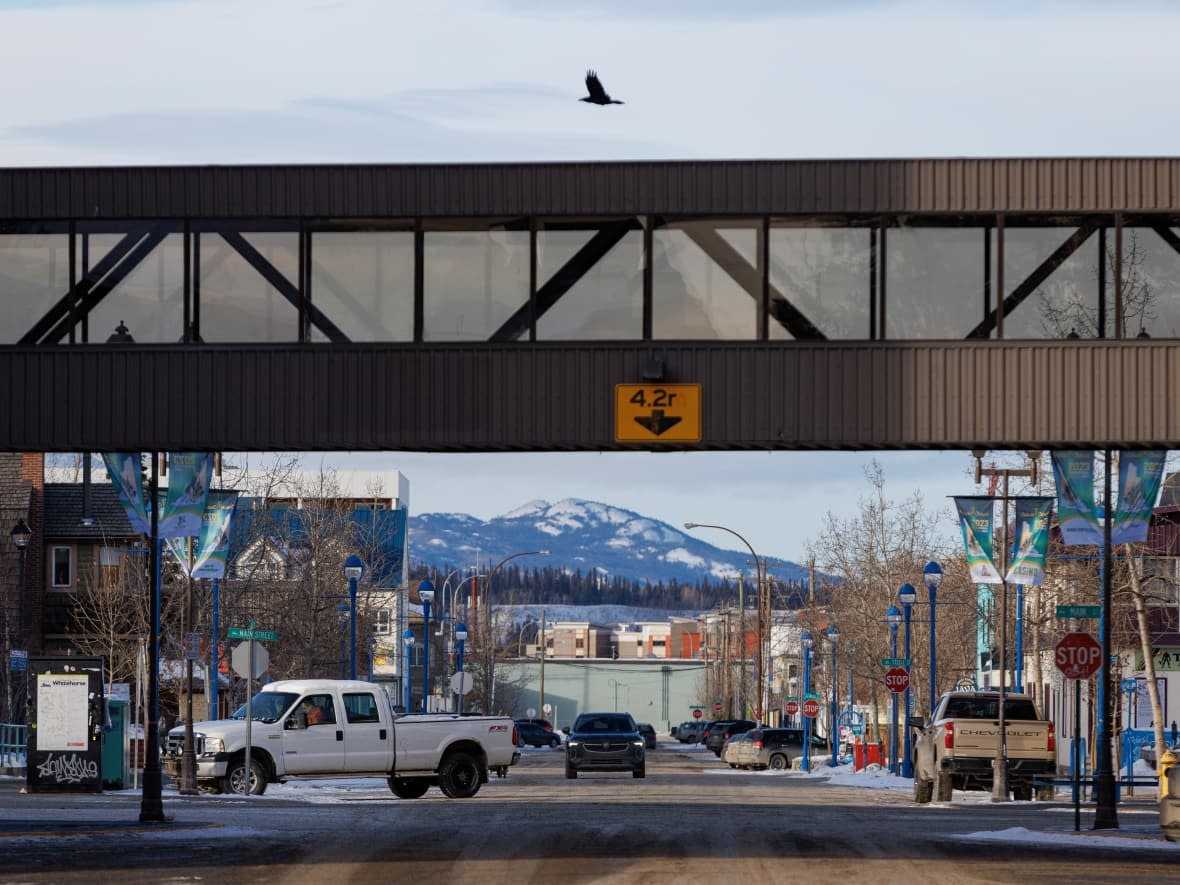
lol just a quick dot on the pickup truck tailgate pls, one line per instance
(981, 737)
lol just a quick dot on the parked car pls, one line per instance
(720, 732)
(649, 735)
(734, 749)
(1147, 752)
(543, 723)
(604, 742)
(690, 732)
(532, 735)
(774, 748)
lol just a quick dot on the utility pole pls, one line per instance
(1000, 763)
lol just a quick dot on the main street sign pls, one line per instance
(657, 413)
(245, 633)
(1079, 611)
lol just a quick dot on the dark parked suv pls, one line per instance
(604, 742)
(723, 730)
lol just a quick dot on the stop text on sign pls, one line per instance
(811, 708)
(1078, 655)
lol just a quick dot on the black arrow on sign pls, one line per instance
(657, 423)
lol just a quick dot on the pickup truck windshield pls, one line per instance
(1015, 709)
(268, 706)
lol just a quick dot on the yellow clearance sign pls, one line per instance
(657, 413)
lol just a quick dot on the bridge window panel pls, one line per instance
(935, 282)
(706, 283)
(34, 275)
(238, 302)
(585, 295)
(363, 282)
(1051, 278)
(1151, 281)
(474, 282)
(148, 291)
(825, 274)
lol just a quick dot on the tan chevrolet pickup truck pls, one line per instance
(956, 749)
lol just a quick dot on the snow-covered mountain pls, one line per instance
(585, 536)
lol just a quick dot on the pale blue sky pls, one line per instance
(291, 81)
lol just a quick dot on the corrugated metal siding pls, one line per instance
(745, 187)
(769, 395)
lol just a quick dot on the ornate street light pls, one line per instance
(408, 642)
(353, 568)
(805, 640)
(426, 594)
(907, 596)
(932, 574)
(460, 640)
(833, 737)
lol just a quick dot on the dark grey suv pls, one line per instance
(723, 730)
(604, 742)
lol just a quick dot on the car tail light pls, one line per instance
(515, 736)
(757, 745)
(1052, 737)
(948, 740)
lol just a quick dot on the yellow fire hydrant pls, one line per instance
(1166, 762)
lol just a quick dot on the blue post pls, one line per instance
(932, 574)
(1019, 662)
(460, 637)
(833, 737)
(408, 641)
(352, 570)
(907, 595)
(425, 655)
(894, 618)
(214, 678)
(806, 639)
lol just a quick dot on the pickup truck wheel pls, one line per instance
(409, 787)
(779, 762)
(1022, 792)
(235, 779)
(923, 790)
(1046, 794)
(459, 776)
(943, 786)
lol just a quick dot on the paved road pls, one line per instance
(690, 820)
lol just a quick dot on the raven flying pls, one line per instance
(597, 93)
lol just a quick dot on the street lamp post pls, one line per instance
(763, 646)
(353, 568)
(426, 594)
(893, 616)
(460, 639)
(490, 668)
(932, 573)
(907, 596)
(833, 738)
(21, 535)
(408, 642)
(805, 639)
(342, 620)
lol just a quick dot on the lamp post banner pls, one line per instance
(189, 474)
(1139, 486)
(126, 475)
(1073, 473)
(976, 520)
(213, 548)
(1030, 544)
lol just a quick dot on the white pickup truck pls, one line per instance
(333, 728)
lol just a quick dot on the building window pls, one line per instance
(62, 566)
(384, 621)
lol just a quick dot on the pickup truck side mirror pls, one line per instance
(565, 730)
(915, 722)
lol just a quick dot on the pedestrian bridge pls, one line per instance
(886, 304)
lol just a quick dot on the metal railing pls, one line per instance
(14, 740)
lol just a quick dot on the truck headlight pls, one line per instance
(214, 745)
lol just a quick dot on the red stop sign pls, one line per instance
(811, 708)
(717, 707)
(1078, 655)
(897, 679)
(792, 707)
(697, 714)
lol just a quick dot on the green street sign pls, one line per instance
(895, 662)
(1079, 611)
(261, 635)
